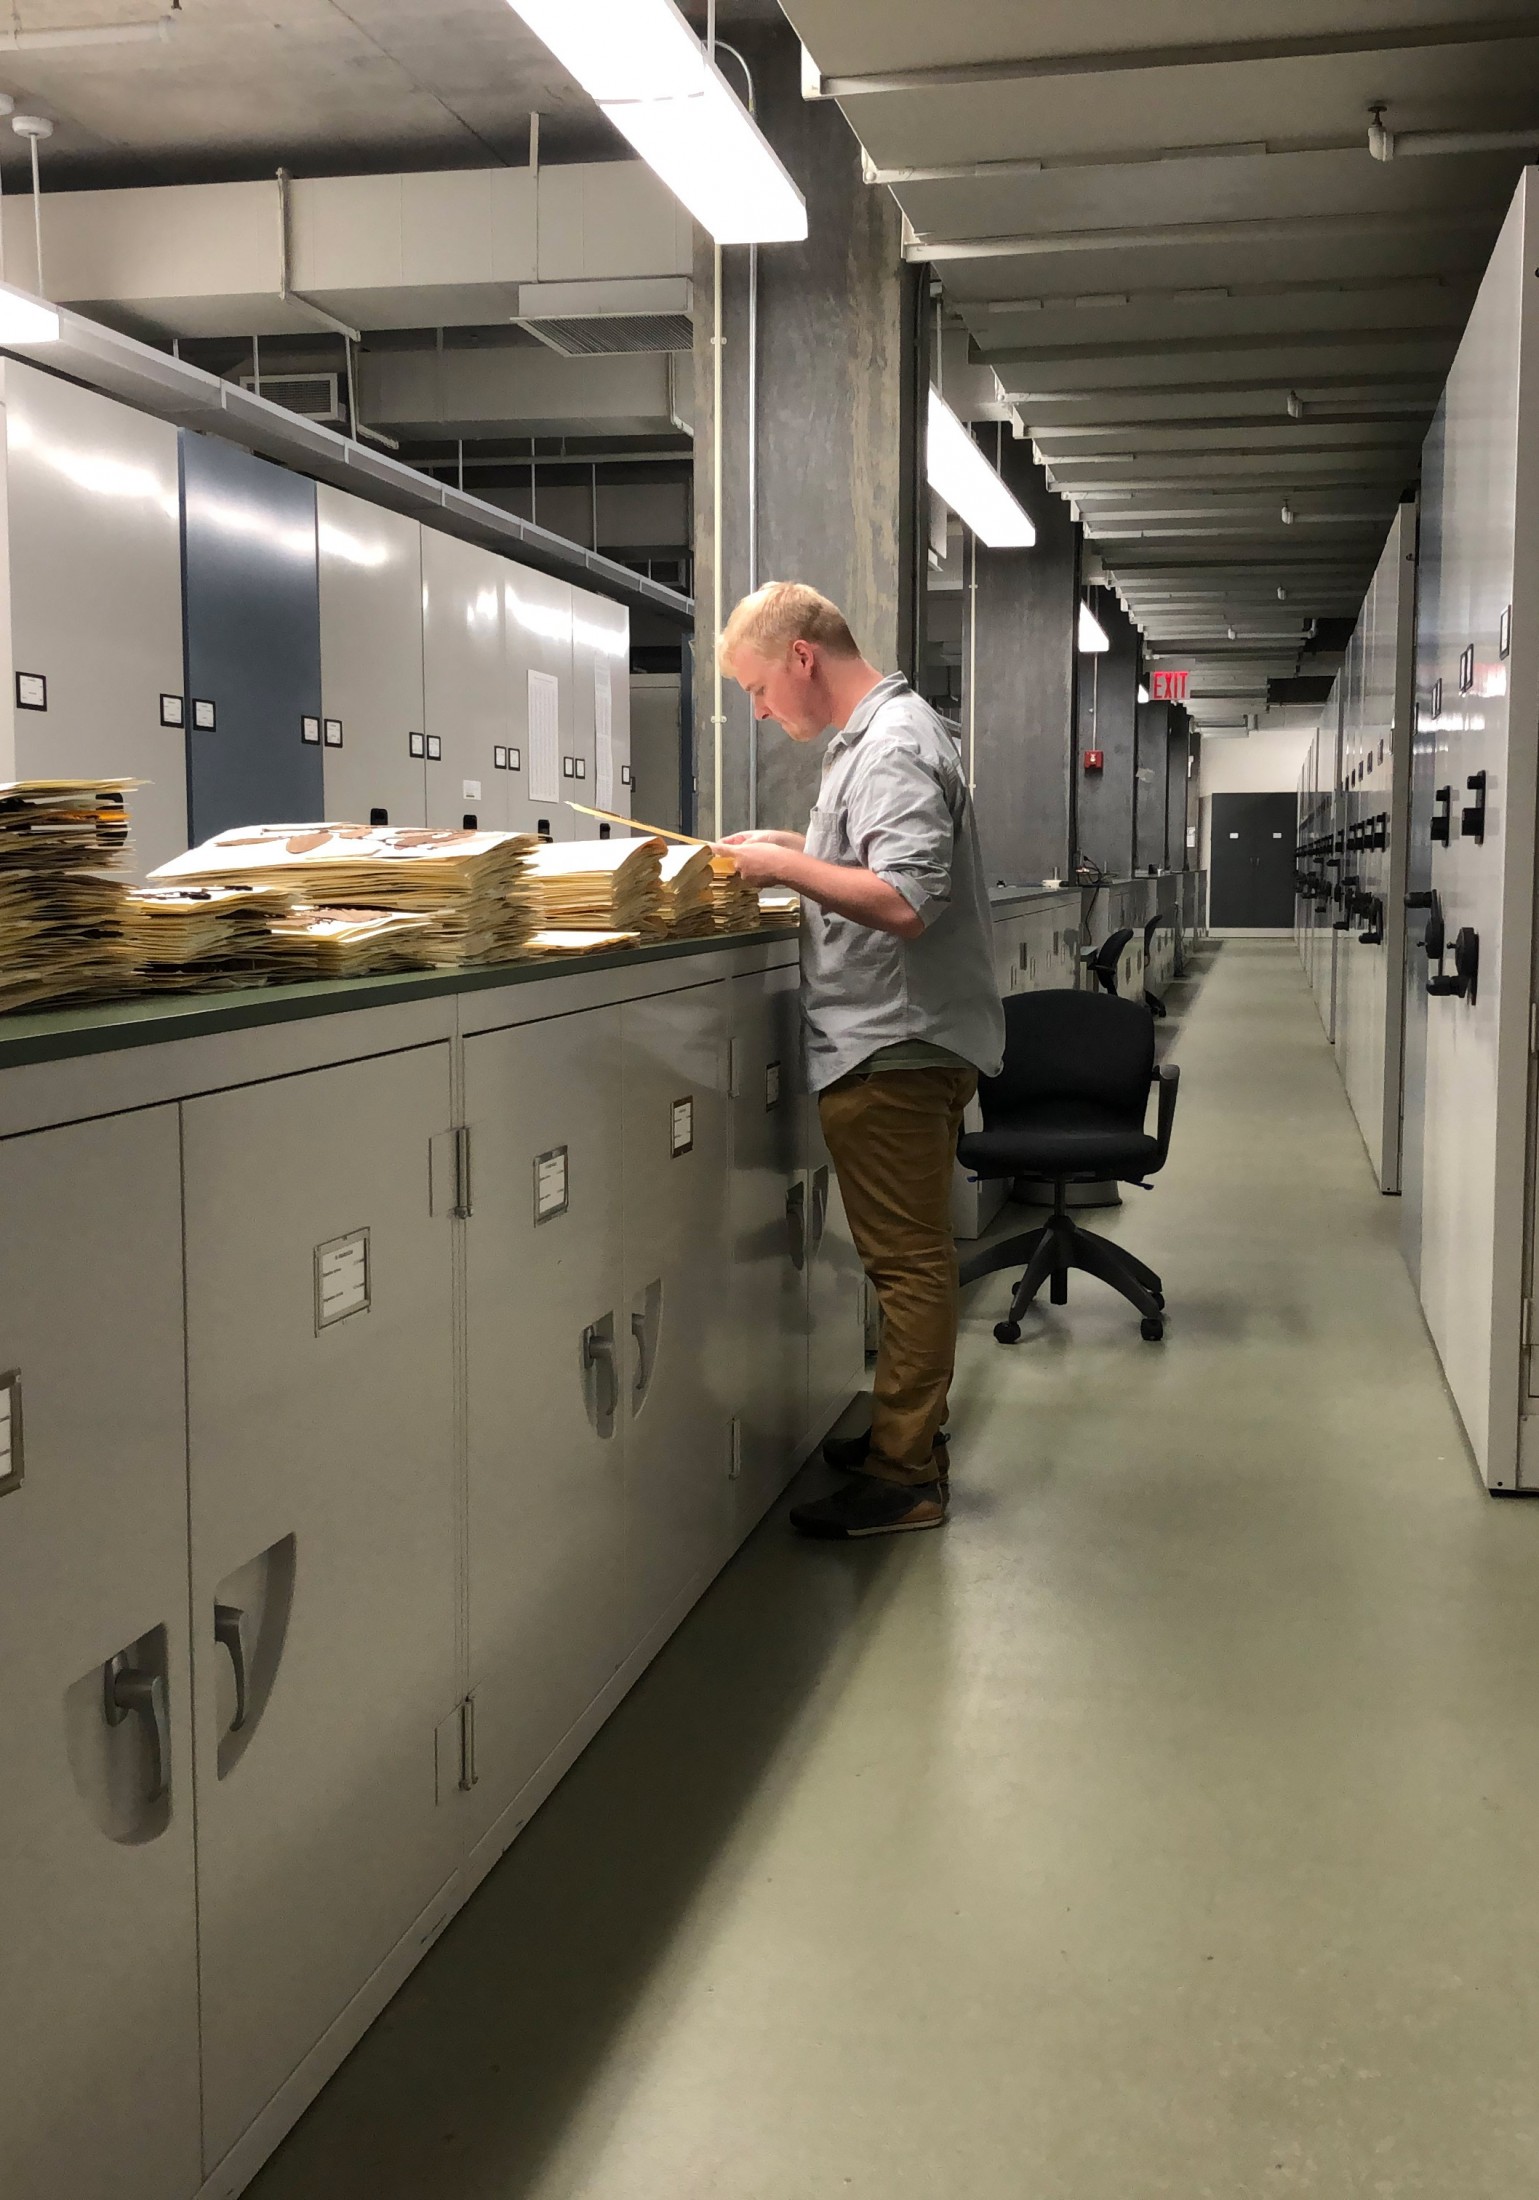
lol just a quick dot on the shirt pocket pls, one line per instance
(827, 834)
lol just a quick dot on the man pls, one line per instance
(901, 1012)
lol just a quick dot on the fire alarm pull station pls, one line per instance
(1095, 760)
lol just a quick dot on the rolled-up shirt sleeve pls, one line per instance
(900, 825)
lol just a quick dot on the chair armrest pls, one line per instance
(1168, 1077)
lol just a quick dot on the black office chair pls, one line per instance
(1102, 961)
(1068, 1108)
(1152, 1001)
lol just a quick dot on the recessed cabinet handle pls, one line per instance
(819, 1207)
(598, 1356)
(796, 1223)
(228, 1634)
(130, 1693)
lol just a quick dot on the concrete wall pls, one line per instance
(1150, 820)
(1020, 718)
(840, 371)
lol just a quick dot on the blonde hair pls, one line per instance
(783, 612)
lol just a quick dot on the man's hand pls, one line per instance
(760, 857)
(778, 839)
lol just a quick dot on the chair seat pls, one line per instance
(1052, 1138)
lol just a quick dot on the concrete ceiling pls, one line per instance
(1205, 297)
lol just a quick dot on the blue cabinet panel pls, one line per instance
(253, 640)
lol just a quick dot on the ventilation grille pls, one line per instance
(312, 396)
(617, 332)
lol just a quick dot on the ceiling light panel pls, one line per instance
(962, 477)
(651, 76)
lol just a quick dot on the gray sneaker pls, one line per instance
(866, 1506)
(850, 1453)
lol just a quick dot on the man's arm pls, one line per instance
(771, 833)
(842, 887)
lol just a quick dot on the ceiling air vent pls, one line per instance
(312, 396)
(584, 334)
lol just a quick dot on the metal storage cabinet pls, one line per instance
(1477, 654)
(373, 752)
(98, 1962)
(767, 1211)
(96, 598)
(253, 640)
(321, 1413)
(678, 1379)
(537, 613)
(467, 711)
(836, 1327)
(549, 1354)
(601, 701)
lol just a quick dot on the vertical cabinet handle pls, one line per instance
(646, 1328)
(598, 1358)
(796, 1223)
(228, 1634)
(819, 1208)
(128, 1692)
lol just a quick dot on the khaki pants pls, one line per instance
(893, 1138)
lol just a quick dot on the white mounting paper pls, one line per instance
(544, 737)
(604, 735)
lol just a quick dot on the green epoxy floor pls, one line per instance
(1166, 1826)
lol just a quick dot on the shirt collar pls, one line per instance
(865, 710)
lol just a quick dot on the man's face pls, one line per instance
(791, 691)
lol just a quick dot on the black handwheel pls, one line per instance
(1151, 1328)
(1007, 1332)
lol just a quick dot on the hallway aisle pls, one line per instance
(1166, 1826)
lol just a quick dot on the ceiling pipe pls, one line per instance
(1387, 144)
(1284, 229)
(1120, 61)
(17, 40)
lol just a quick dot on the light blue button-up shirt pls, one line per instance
(893, 800)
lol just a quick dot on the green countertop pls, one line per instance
(57, 1034)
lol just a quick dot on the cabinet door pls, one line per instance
(253, 639)
(321, 1414)
(537, 612)
(374, 751)
(601, 665)
(547, 1352)
(95, 542)
(467, 711)
(836, 1334)
(678, 1370)
(98, 1964)
(768, 1239)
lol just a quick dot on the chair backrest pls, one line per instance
(1071, 1046)
(1161, 916)
(1109, 953)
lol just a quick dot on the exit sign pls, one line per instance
(1168, 687)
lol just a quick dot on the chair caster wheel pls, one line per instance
(1151, 1329)
(1007, 1332)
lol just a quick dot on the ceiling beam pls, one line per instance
(1045, 352)
(1420, 378)
(1027, 68)
(1249, 230)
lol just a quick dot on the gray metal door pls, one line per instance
(549, 1352)
(1251, 881)
(253, 640)
(95, 581)
(678, 1369)
(321, 1418)
(768, 1238)
(374, 752)
(98, 1962)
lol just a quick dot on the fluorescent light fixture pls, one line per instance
(1092, 635)
(962, 477)
(26, 320)
(1143, 691)
(651, 76)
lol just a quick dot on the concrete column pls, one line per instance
(1108, 721)
(1151, 824)
(840, 374)
(1178, 750)
(1018, 714)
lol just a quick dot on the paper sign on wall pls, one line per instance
(544, 737)
(604, 736)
